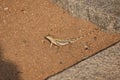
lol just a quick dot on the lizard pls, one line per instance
(60, 42)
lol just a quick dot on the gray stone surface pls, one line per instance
(103, 66)
(104, 13)
(106, 64)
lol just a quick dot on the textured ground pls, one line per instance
(25, 53)
(103, 66)
(106, 64)
(104, 13)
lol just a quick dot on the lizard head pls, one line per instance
(49, 37)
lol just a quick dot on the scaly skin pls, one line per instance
(60, 42)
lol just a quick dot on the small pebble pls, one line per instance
(6, 8)
(86, 47)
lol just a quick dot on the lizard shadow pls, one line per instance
(8, 70)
